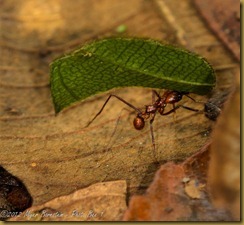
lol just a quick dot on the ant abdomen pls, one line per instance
(139, 123)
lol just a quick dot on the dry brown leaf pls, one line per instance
(177, 193)
(225, 164)
(99, 202)
(223, 17)
(164, 198)
(14, 197)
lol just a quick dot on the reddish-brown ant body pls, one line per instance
(158, 105)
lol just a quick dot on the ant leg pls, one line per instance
(152, 134)
(177, 107)
(188, 108)
(105, 103)
(154, 93)
(153, 96)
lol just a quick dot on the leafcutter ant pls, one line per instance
(158, 105)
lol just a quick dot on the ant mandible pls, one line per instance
(158, 105)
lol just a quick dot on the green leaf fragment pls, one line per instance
(123, 62)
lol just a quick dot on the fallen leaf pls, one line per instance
(164, 200)
(223, 17)
(14, 196)
(98, 202)
(225, 165)
(171, 197)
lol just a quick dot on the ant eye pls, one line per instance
(139, 123)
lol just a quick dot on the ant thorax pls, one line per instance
(150, 109)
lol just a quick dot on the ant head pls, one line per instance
(139, 123)
(173, 97)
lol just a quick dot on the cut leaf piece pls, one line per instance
(122, 62)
